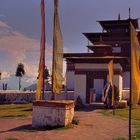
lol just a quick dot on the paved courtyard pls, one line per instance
(92, 126)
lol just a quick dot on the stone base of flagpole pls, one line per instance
(52, 113)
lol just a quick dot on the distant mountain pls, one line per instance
(33, 87)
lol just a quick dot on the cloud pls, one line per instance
(17, 48)
(5, 30)
(3, 24)
(5, 75)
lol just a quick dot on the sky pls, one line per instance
(20, 29)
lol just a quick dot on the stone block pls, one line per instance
(52, 113)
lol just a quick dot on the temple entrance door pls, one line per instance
(98, 85)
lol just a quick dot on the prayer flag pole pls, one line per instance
(40, 82)
(57, 64)
(130, 94)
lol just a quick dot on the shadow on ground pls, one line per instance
(29, 128)
(23, 128)
(91, 107)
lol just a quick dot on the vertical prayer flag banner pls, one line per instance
(111, 79)
(57, 66)
(42, 54)
(135, 65)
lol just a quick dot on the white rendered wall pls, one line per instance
(80, 87)
(126, 80)
(120, 86)
(70, 80)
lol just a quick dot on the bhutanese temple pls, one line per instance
(88, 73)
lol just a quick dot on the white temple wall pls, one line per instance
(70, 80)
(126, 85)
(77, 82)
(118, 81)
(126, 80)
(120, 86)
(80, 87)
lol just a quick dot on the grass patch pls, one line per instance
(62, 128)
(120, 139)
(137, 126)
(28, 131)
(56, 127)
(15, 110)
(123, 113)
(11, 139)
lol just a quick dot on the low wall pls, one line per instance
(8, 97)
(126, 94)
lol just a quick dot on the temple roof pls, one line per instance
(107, 24)
(112, 28)
(100, 45)
(91, 55)
(115, 34)
(95, 36)
(91, 34)
(101, 48)
(91, 58)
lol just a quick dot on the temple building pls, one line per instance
(88, 72)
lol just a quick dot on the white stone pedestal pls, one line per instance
(52, 113)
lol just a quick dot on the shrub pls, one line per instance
(108, 101)
(79, 103)
(75, 121)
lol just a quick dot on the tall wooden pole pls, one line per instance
(130, 95)
(57, 63)
(43, 41)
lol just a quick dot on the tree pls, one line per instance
(20, 72)
(46, 76)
